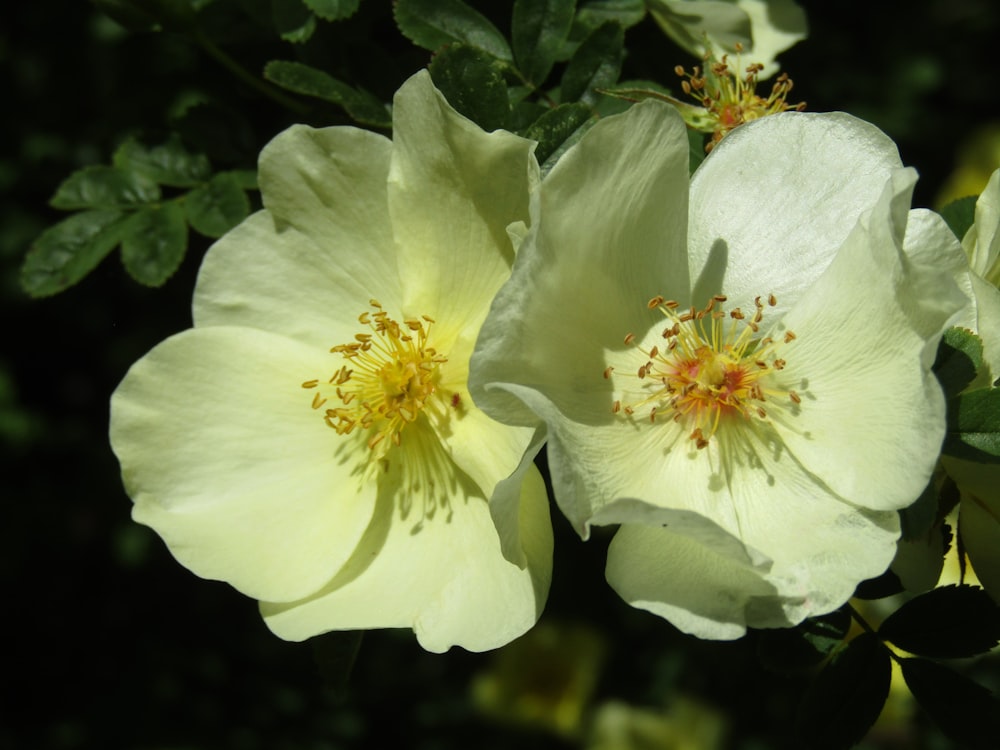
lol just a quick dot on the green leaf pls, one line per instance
(594, 13)
(245, 178)
(959, 357)
(696, 149)
(964, 710)
(432, 24)
(974, 426)
(805, 645)
(303, 79)
(292, 20)
(960, 214)
(217, 206)
(538, 30)
(127, 14)
(168, 163)
(155, 242)
(149, 15)
(102, 186)
(333, 10)
(553, 128)
(949, 622)
(471, 82)
(596, 64)
(66, 252)
(845, 699)
(879, 587)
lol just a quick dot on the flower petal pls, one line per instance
(323, 248)
(776, 198)
(578, 284)
(453, 189)
(982, 241)
(979, 519)
(872, 415)
(444, 577)
(225, 459)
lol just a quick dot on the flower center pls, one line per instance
(710, 369)
(730, 100)
(387, 379)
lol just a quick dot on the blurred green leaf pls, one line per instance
(246, 178)
(217, 206)
(101, 186)
(974, 426)
(292, 20)
(538, 30)
(149, 15)
(66, 252)
(960, 214)
(917, 518)
(333, 10)
(553, 128)
(155, 242)
(471, 81)
(432, 24)
(949, 622)
(596, 64)
(169, 163)
(845, 699)
(303, 79)
(594, 13)
(964, 710)
(805, 645)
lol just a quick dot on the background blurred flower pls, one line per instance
(764, 28)
(766, 402)
(390, 252)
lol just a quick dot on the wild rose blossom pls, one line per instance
(311, 440)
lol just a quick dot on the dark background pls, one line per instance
(111, 644)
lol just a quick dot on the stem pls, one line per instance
(869, 629)
(244, 75)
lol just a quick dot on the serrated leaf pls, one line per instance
(292, 20)
(432, 24)
(169, 163)
(964, 710)
(960, 214)
(303, 79)
(333, 10)
(471, 82)
(959, 357)
(66, 252)
(595, 65)
(949, 622)
(553, 128)
(916, 519)
(101, 186)
(845, 699)
(217, 206)
(805, 645)
(974, 426)
(626, 13)
(879, 587)
(155, 242)
(539, 29)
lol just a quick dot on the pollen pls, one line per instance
(713, 371)
(389, 375)
(730, 97)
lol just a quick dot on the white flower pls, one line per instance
(351, 487)
(739, 374)
(979, 484)
(760, 29)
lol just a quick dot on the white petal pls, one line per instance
(580, 284)
(322, 249)
(982, 241)
(872, 415)
(445, 577)
(453, 190)
(979, 527)
(225, 458)
(776, 198)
